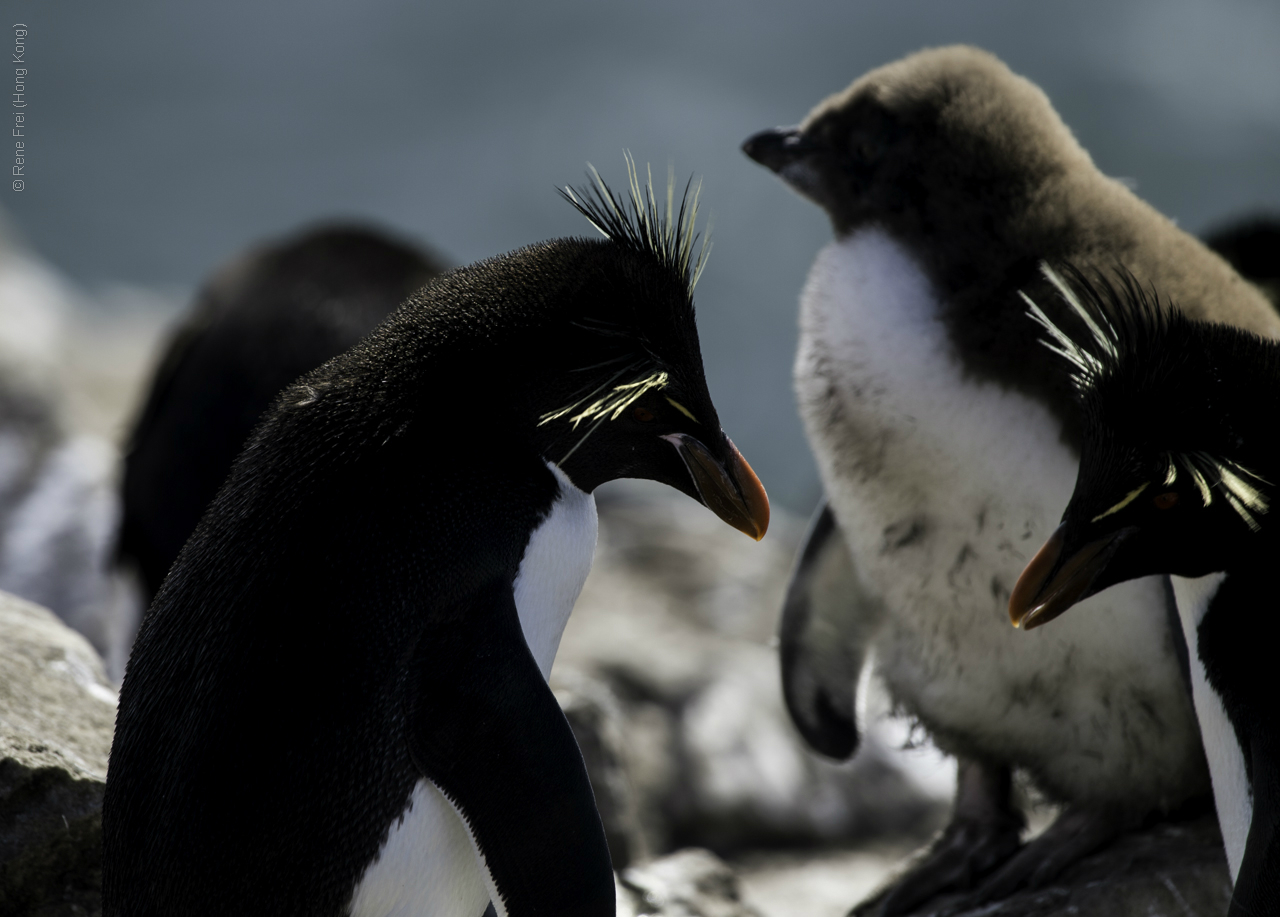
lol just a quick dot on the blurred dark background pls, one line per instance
(164, 138)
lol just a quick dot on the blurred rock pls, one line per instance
(815, 883)
(690, 883)
(596, 719)
(677, 621)
(57, 713)
(58, 507)
(1172, 868)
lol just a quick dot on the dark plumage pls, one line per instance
(259, 323)
(1252, 246)
(1177, 475)
(360, 627)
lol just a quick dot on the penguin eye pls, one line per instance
(1167, 500)
(644, 415)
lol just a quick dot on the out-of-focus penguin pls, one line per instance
(947, 440)
(260, 323)
(1252, 246)
(337, 703)
(1178, 475)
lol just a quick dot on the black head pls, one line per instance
(590, 353)
(945, 135)
(1179, 454)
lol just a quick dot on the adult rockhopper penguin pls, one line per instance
(337, 702)
(947, 441)
(1178, 475)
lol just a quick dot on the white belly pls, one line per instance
(1231, 792)
(945, 486)
(429, 865)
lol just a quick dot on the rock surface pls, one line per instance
(57, 713)
(688, 883)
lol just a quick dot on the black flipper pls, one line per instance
(828, 621)
(1257, 888)
(485, 728)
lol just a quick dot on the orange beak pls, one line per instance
(730, 490)
(1049, 586)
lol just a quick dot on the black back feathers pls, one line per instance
(259, 324)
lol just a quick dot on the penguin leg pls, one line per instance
(484, 727)
(985, 830)
(1078, 831)
(828, 621)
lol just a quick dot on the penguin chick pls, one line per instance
(1177, 475)
(337, 703)
(259, 323)
(947, 441)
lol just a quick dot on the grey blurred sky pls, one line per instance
(163, 138)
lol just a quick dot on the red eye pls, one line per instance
(644, 415)
(1166, 500)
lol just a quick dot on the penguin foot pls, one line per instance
(1080, 830)
(985, 831)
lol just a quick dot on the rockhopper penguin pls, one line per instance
(947, 441)
(261, 322)
(1178, 473)
(337, 703)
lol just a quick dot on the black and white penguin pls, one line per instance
(1178, 473)
(947, 442)
(337, 703)
(261, 322)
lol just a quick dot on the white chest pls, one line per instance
(945, 486)
(430, 864)
(555, 566)
(1231, 791)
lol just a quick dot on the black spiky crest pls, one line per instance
(1151, 377)
(670, 235)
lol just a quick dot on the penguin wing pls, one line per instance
(486, 730)
(828, 622)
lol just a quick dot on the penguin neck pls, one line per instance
(554, 567)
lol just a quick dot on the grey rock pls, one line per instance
(57, 713)
(689, 883)
(596, 720)
(1168, 870)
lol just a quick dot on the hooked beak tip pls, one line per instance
(731, 489)
(1050, 584)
